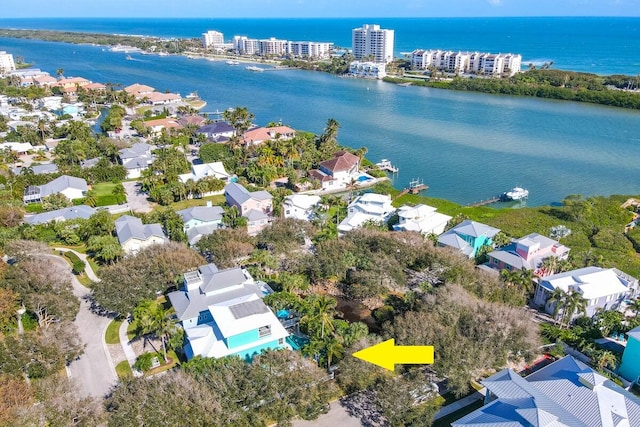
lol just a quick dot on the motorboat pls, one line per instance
(517, 193)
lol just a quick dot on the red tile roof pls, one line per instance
(343, 161)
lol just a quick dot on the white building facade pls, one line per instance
(370, 70)
(6, 63)
(212, 39)
(374, 42)
(467, 62)
(277, 47)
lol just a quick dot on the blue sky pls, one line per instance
(316, 8)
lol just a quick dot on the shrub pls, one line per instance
(144, 362)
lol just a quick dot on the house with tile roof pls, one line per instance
(262, 134)
(604, 289)
(256, 206)
(222, 314)
(138, 89)
(133, 235)
(566, 393)
(630, 367)
(467, 237)
(192, 120)
(367, 207)
(158, 125)
(337, 172)
(159, 98)
(60, 215)
(527, 253)
(71, 186)
(136, 158)
(421, 218)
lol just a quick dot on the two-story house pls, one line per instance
(70, 186)
(604, 289)
(630, 366)
(133, 235)
(136, 158)
(259, 135)
(299, 206)
(200, 221)
(338, 171)
(367, 207)
(222, 314)
(527, 253)
(217, 131)
(421, 218)
(468, 236)
(255, 206)
(199, 171)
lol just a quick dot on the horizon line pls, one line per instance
(318, 17)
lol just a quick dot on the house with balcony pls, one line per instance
(604, 289)
(372, 207)
(566, 393)
(133, 235)
(467, 237)
(299, 206)
(70, 186)
(527, 253)
(337, 172)
(222, 314)
(421, 218)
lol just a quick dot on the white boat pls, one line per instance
(230, 62)
(517, 193)
(254, 68)
(386, 165)
(129, 57)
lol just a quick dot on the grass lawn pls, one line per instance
(131, 334)
(123, 370)
(104, 196)
(446, 421)
(111, 336)
(183, 204)
(173, 361)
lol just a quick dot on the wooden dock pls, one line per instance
(485, 202)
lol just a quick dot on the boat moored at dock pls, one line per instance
(517, 193)
(386, 165)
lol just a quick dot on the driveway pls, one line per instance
(337, 416)
(93, 373)
(136, 200)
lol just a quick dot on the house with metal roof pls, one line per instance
(36, 169)
(565, 393)
(299, 206)
(71, 186)
(256, 206)
(468, 236)
(630, 366)
(222, 314)
(421, 218)
(604, 289)
(367, 207)
(527, 253)
(133, 235)
(200, 221)
(204, 170)
(59, 215)
(136, 158)
(217, 131)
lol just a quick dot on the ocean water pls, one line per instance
(465, 146)
(598, 45)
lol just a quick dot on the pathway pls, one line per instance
(136, 199)
(87, 267)
(93, 372)
(461, 403)
(129, 353)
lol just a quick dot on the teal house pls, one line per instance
(630, 366)
(467, 237)
(222, 314)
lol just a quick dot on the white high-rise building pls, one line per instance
(212, 38)
(371, 42)
(6, 63)
(310, 49)
(467, 62)
(273, 47)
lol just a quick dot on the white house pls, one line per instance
(214, 169)
(134, 236)
(603, 288)
(299, 206)
(367, 207)
(71, 186)
(337, 172)
(421, 218)
(222, 314)
(136, 158)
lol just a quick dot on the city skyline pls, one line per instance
(322, 8)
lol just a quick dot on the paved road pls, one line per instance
(93, 372)
(336, 417)
(136, 200)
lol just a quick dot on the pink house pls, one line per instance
(255, 206)
(527, 253)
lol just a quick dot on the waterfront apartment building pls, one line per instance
(6, 63)
(278, 47)
(212, 39)
(372, 43)
(467, 62)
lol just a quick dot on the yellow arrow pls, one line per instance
(387, 355)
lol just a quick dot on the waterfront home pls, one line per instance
(70, 186)
(70, 85)
(200, 221)
(262, 134)
(299, 206)
(255, 206)
(36, 169)
(337, 172)
(136, 158)
(222, 314)
(137, 89)
(158, 125)
(565, 393)
(527, 253)
(372, 207)
(198, 121)
(369, 70)
(133, 235)
(159, 98)
(204, 170)
(604, 289)
(217, 131)
(467, 62)
(468, 236)
(421, 218)
(60, 215)
(630, 366)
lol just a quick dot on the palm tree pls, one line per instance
(558, 299)
(549, 266)
(605, 358)
(575, 303)
(333, 349)
(323, 309)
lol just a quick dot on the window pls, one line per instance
(264, 331)
(280, 341)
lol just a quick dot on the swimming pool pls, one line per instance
(297, 342)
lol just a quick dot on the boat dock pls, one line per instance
(415, 186)
(386, 166)
(486, 202)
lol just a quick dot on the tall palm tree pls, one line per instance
(575, 303)
(606, 358)
(333, 349)
(635, 306)
(558, 299)
(323, 309)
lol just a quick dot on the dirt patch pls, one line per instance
(354, 311)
